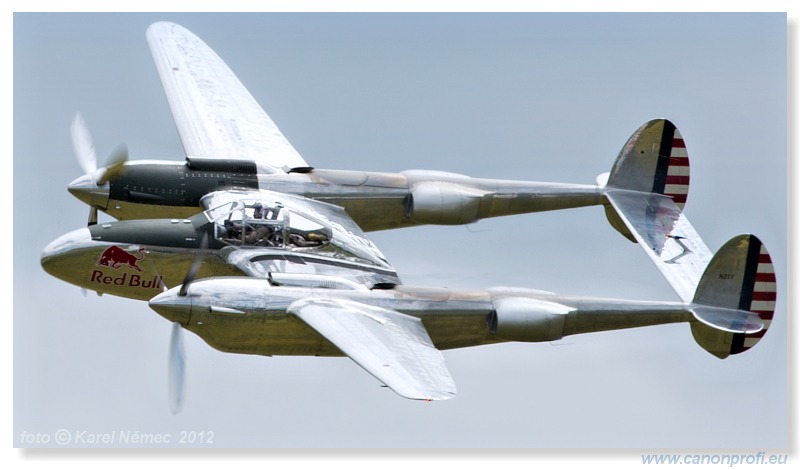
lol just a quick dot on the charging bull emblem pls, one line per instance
(115, 256)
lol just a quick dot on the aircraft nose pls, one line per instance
(86, 189)
(172, 306)
(54, 253)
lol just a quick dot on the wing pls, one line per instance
(216, 116)
(393, 347)
(666, 235)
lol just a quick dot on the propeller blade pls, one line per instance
(177, 368)
(115, 164)
(198, 260)
(82, 144)
(92, 216)
(177, 356)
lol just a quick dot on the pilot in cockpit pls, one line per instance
(231, 231)
(259, 234)
(258, 211)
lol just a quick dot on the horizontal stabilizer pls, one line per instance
(736, 292)
(666, 235)
(730, 320)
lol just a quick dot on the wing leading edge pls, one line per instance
(215, 114)
(393, 347)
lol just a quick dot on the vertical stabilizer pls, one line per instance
(737, 291)
(653, 160)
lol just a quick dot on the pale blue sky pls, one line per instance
(519, 96)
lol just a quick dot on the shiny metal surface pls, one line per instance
(215, 114)
(289, 271)
(86, 189)
(452, 319)
(393, 347)
(667, 237)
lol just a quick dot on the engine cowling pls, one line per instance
(526, 319)
(443, 203)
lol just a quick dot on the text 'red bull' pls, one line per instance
(134, 280)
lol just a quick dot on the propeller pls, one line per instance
(83, 146)
(92, 216)
(177, 368)
(177, 355)
(114, 164)
(195, 267)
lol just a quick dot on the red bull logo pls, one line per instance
(115, 257)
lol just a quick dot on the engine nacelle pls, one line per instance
(526, 319)
(442, 203)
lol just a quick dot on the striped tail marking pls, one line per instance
(672, 175)
(760, 298)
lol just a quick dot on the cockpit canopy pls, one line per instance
(266, 223)
(268, 232)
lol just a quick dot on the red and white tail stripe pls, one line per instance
(765, 294)
(677, 183)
